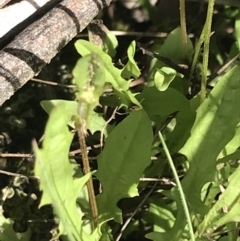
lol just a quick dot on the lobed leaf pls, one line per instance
(90, 79)
(55, 173)
(131, 69)
(89, 69)
(110, 44)
(112, 74)
(97, 121)
(69, 106)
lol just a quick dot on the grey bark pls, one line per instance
(36, 45)
(17, 11)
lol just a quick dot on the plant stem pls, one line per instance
(179, 186)
(207, 35)
(183, 27)
(197, 53)
(87, 169)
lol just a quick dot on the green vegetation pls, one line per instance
(167, 166)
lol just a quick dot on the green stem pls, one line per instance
(179, 186)
(183, 28)
(197, 53)
(207, 35)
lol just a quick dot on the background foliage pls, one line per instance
(128, 100)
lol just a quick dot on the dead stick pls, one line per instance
(35, 46)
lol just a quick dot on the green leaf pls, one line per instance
(215, 125)
(8, 233)
(100, 35)
(161, 214)
(97, 121)
(233, 156)
(226, 209)
(131, 69)
(233, 145)
(180, 134)
(164, 103)
(122, 163)
(209, 192)
(69, 106)
(237, 30)
(52, 164)
(112, 74)
(163, 78)
(125, 98)
(90, 79)
(172, 49)
(90, 69)
(110, 44)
